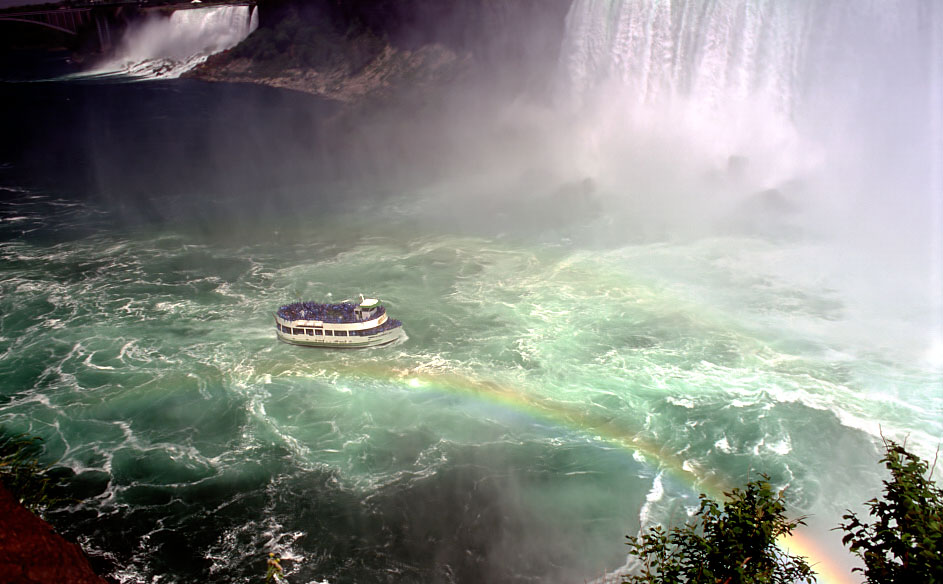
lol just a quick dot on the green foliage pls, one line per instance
(22, 474)
(733, 544)
(905, 542)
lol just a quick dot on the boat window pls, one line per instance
(342, 333)
(310, 332)
(318, 332)
(329, 333)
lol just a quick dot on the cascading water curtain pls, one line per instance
(840, 89)
(167, 47)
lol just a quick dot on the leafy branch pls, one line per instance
(905, 542)
(23, 475)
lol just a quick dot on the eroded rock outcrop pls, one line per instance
(429, 65)
(351, 51)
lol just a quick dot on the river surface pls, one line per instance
(570, 374)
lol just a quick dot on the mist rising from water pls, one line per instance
(787, 87)
(168, 47)
(809, 119)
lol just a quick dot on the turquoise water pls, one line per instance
(549, 398)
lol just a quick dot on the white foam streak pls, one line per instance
(655, 495)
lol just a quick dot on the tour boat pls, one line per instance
(344, 325)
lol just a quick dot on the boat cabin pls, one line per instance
(368, 308)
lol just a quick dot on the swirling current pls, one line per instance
(496, 443)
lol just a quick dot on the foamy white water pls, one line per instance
(164, 47)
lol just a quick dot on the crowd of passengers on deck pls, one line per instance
(334, 313)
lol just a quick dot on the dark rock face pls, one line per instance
(346, 51)
(31, 553)
(495, 30)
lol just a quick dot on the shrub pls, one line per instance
(905, 542)
(733, 544)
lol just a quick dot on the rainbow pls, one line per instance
(826, 569)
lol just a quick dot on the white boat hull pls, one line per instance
(378, 340)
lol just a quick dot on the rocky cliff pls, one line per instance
(346, 51)
(32, 553)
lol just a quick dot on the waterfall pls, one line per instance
(167, 47)
(806, 62)
(722, 51)
(844, 88)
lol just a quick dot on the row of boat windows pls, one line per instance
(319, 332)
